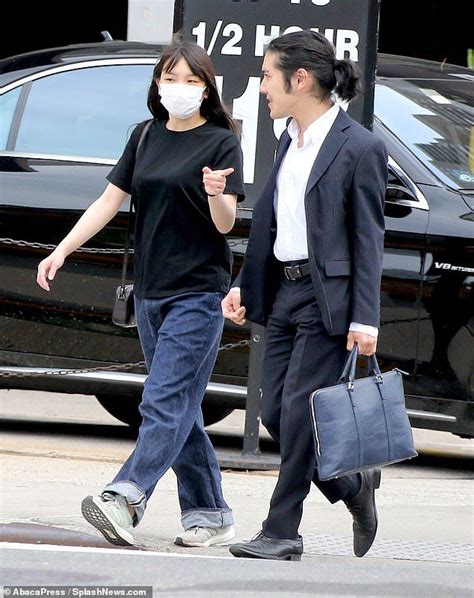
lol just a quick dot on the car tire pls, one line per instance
(213, 414)
(125, 409)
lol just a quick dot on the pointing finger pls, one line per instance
(218, 173)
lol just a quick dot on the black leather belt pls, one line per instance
(295, 271)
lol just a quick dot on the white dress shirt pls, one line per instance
(291, 240)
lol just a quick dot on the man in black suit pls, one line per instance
(312, 275)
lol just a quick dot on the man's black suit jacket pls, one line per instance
(344, 204)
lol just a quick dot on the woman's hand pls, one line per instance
(48, 267)
(90, 223)
(223, 207)
(214, 180)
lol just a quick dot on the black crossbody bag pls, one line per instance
(123, 313)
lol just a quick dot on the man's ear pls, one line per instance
(301, 79)
(302, 76)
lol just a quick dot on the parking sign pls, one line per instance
(234, 34)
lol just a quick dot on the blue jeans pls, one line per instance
(180, 337)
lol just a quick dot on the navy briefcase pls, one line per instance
(360, 424)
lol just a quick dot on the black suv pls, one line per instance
(66, 116)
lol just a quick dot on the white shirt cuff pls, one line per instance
(370, 330)
(235, 289)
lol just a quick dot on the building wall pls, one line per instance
(433, 29)
(428, 29)
(51, 24)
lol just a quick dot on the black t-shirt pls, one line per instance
(177, 246)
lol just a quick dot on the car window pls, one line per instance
(86, 112)
(435, 120)
(8, 103)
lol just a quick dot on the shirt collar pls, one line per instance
(317, 128)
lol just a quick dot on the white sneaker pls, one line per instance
(110, 515)
(205, 536)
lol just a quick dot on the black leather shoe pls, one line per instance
(364, 513)
(262, 547)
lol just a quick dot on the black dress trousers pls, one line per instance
(299, 357)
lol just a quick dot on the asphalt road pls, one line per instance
(56, 448)
(205, 577)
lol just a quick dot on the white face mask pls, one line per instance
(181, 99)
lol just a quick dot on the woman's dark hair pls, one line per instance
(312, 51)
(201, 65)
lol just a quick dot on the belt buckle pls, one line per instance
(293, 272)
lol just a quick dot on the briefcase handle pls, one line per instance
(349, 369)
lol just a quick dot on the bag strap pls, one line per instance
(347, 365)
(349, 369)
(129, 223)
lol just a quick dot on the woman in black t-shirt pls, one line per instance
(185, 182)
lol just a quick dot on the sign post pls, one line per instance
(235, 33)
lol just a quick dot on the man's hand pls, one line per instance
(214, 180)
(367, 344)
(231, 308)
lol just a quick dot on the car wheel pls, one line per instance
(126, 410)
(213, 414)
(123, 408)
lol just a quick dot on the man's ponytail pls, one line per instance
(347, 79)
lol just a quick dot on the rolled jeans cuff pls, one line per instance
(135, 496)
(214, 518)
